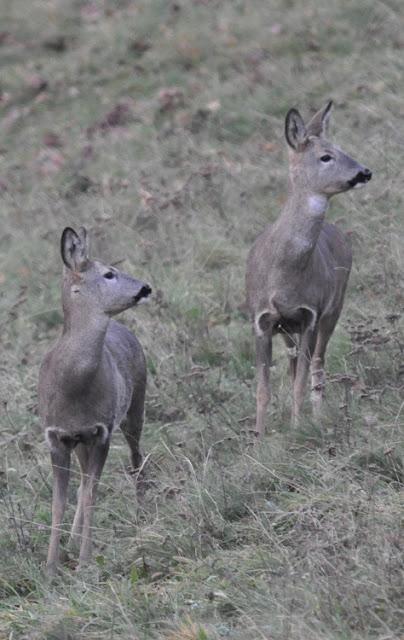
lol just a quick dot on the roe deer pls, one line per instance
(298, 268)
(92, 381)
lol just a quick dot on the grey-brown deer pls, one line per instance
(298, 268)
(92, 381)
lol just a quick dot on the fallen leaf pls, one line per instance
(171, 98)
(51, 139)
(120, 115)
(276, 28)
(56, 43)
(50, 161)
(146, 198)
(213, 106)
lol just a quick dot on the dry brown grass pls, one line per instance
(160, 126)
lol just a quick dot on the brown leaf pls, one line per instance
(147, 199)
(36, 82)
(51, 139)
(171, 98)
(56, 43)
(139, 46)
(50, 161)
(120, 115)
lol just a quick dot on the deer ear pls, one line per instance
(295, 130)
(318, 125)
(74, 249)
(85, 240)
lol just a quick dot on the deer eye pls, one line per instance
(326, 158)
(109, 275)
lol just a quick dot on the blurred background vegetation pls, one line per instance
(158, 124)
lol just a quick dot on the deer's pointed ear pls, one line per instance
(295, 130)
(85, 240)
(74, 249)
(318, 125)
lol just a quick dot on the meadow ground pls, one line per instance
(159, 125)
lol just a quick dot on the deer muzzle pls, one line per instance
(361, 178)
(144, 293)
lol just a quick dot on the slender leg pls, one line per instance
(291, 345)
(317, 383)
(132, 426)
(325, 330)
(263, 344)
(306, 348)
(60, 458)
(81, 451)
(98, 452)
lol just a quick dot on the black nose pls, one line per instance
(364, 176)
(361, 177)
(145, 291)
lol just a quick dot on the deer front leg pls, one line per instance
(263, 344)
(60, 458)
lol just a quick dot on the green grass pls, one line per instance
(300, 537)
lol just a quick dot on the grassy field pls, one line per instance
(159, 125)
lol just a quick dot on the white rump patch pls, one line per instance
(313, 315)
(104, 436)
(52, 437)
(262, 322)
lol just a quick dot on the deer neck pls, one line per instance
(299, 225)
(83, 341)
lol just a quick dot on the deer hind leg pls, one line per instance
(60, 457)
(292, 349)
(97, 454)
(306, 348)
(263, 344)
(133, 425)
(325, 330)
(82, 454)
(317, 382)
